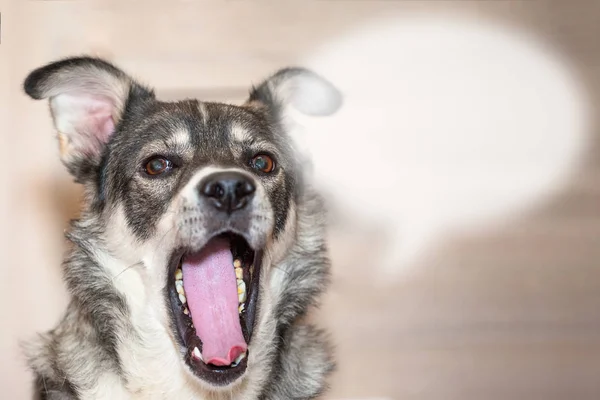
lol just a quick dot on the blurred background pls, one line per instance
(509, 310)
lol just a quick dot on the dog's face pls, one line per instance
(204, 190)
(197, 199)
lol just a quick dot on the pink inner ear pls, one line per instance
(90, 119)
(101, 121)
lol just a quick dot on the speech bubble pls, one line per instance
(447, 125)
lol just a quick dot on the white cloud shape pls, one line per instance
(447, 124)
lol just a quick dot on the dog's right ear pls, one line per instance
(88, 97)
(308, 92)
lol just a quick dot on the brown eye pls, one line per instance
(263, 163)
(157, 166)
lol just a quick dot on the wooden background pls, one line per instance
(510, 314)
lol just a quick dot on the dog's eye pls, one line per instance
(158, 165)
(263, 163)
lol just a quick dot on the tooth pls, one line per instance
(196, 354)
(178, 274)
(180, 290)
(182, 298)
(237, 263)
(241, 289)
(178, 282)
(241, 308)
(186, 311)
(239, 359)
(241, 286)
(239, 273)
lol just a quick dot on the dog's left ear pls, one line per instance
(88, 97)
(308, 92)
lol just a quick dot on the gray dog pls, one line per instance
(200, 247)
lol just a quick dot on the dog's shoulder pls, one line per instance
(50, 381)
(305, 361)
(66, 358)
(46, 389)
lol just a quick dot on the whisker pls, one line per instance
(162, 239)
(126, 268)
(281, 269)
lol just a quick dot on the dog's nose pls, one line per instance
(227, 191)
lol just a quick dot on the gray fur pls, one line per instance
(306, 359)
(92, 353)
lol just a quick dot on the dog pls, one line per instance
(200, 247)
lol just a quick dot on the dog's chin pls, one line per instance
(214, 374)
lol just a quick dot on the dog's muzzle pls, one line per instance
(214, 275)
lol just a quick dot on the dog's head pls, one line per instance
(189, 205)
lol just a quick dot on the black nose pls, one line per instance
(227, 191)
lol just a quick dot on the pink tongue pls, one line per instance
(211, 291)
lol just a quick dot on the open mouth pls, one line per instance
(213, 294)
